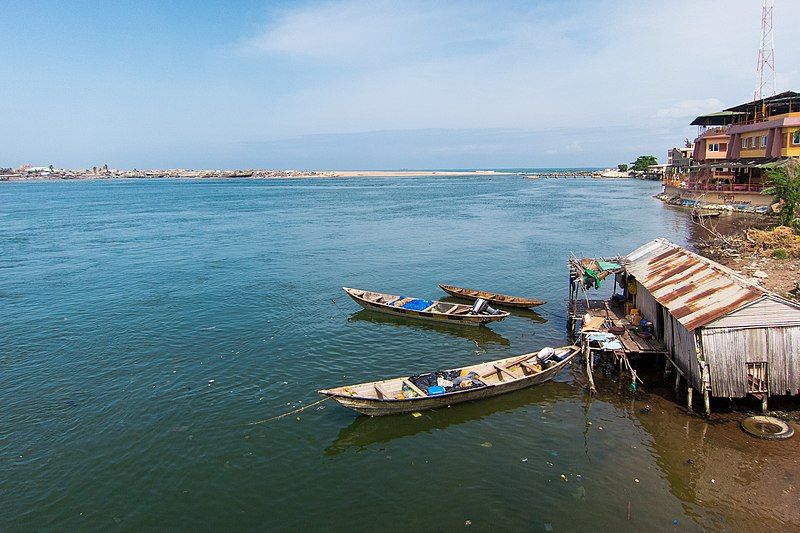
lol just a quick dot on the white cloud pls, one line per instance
(455, 65)
(690, 108)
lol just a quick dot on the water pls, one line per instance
(121, 302)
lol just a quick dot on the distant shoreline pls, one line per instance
(40, 174)
(68, 175)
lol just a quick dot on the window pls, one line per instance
(713, 147)
(744, 142)
(796, 137)
(764, 141)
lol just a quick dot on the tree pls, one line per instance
(622, 167)
(644, 161)
(784, 184)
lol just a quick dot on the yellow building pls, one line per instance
(736, 145)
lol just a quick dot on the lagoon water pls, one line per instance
(146, 325)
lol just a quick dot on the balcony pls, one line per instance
(720, 187)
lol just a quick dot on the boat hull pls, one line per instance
(442, 318)
(384, 406)
(502, 300)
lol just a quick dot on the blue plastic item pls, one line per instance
(436, 389)
(417, 304)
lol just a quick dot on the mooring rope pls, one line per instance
(290, 412)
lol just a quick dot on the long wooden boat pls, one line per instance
(403, 395)
(491, 297)
(423, 309)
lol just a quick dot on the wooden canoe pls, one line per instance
(443, 312)
(491, 297)
(388, 397)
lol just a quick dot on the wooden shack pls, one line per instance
(727, 336)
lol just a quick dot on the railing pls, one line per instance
(710, 130)
(722, 187)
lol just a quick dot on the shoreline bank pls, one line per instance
(66, 175)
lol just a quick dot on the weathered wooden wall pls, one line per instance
(728, 351)
(648, 306)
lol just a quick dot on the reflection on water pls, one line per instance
(366, 431)
(726, 479)
(130, 308)
(479, 335)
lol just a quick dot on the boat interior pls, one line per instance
(446, 308)
(476, 376)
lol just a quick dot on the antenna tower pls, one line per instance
(765, 69)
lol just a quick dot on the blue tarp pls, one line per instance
(608, 341)
(417, 305)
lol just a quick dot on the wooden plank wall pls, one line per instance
(727, 352)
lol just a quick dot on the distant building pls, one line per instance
(678, 162)
(757, 135)
(736, 145)
(680, 157)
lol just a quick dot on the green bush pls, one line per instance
(783, 183)
(780, 253)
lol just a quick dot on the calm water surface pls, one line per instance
(145, 325)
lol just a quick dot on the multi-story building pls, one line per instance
(735, 146)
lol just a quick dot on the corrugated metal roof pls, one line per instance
(695, 289)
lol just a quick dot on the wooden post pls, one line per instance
(677, 383)
(689, 392)
(707, 401)
(588, 353)
(667, 367)
(764, 403)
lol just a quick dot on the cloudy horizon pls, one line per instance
(346, 84)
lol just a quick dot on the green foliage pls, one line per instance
(780, 253)
(623, 167)
(644, 161)
(784, 184)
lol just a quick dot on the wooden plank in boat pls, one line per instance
(382, 391)
(413, 387)
(505, 371)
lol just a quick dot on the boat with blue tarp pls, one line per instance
(446, 312)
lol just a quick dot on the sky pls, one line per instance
(373, 84)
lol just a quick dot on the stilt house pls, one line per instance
(726, 335)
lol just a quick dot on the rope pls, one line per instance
(290, 412)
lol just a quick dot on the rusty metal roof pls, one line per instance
(695, 289)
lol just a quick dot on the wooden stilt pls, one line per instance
(764, 403)
(588, 353)
(707, 401)
(677, 383)
(689, 393)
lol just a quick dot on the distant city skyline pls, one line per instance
(372, 85)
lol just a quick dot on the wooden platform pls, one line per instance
(631, 342)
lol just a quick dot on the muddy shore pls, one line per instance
(749, 483)
(724, 239)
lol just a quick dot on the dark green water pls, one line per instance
(121, 301)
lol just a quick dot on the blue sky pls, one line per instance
(345, 84)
